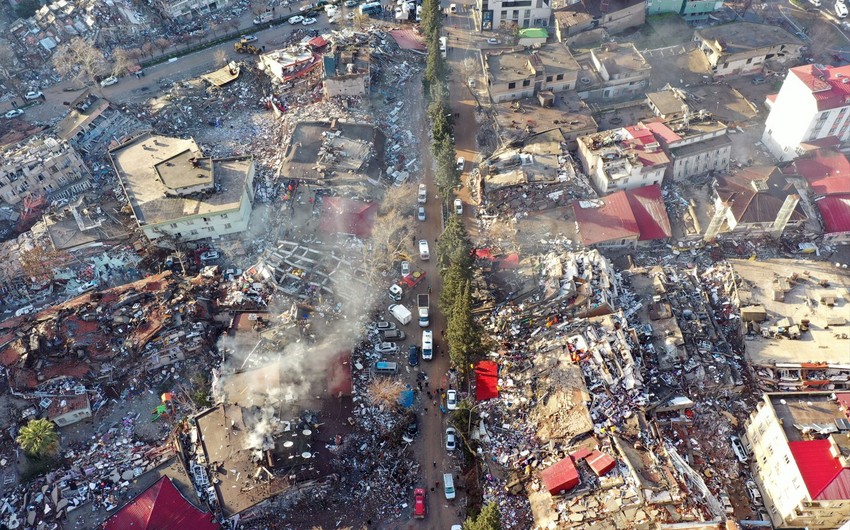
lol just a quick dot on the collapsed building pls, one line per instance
(46, 166)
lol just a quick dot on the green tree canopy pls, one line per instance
(39, 438)
(488, 519)
(462, 333)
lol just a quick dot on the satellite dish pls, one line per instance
(288, 444)
(306, 454)
(306, 432)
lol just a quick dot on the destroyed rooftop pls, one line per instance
(137, 163)
(745, 36)
(505, 66)
(621, 59)
(83, 110)
(334, 152)
(805, 409)
(804, 299)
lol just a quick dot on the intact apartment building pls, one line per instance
(614, 70)
(800, 447)
(696, 144)
(813, 103)
(186, 8)
(177, 192)
(622, 159)
(44, 166)
(688, 9)
(517, 74)
(585, 15)
(743, 48)
(499, 14)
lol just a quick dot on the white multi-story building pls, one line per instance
(185, 8)
(42, 166)
(800, 452)
(505, 14)
(175, 191)
(813, 103)
(622, 159)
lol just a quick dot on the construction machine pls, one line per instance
(244, 47)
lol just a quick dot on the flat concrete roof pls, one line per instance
(186, 169)
(556, 59)
(804, 408)
(802, 301)
(506, 66)
(621, 58)
(740, 37)
(135, 163)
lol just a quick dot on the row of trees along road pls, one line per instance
(454, 249)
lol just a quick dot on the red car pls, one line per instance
(419, 503)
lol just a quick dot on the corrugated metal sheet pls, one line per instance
(600, 463)
(823, 474)
(835, 211)
(561, 476)
(160, 507)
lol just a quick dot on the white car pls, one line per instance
(421, 213)
(451, 444)
(14, 113)
(494, 41)
(424, 252)
(405, 269)
(841, 9)
(754, 492)
(109, 81)
(458, 206)
(451, 399)
(386, 347)
(249, 38)
(422, 196)
(35, 94)
(350, 3)
(297, 19)
(738, 449)
(460, 163)
(210, 255)
(308, 21)
(88, 286)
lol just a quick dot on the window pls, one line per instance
(190, 222)
(750, 60)
(559, 77)
(193, 232)
(511, 85)
(548, 78)
(227, 226)
(173, 225)
(224, 216)
(526, 82)
(206, 219)
(209, 229)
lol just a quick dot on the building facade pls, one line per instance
(518, 74)
(813, 103)
(743, 48)
(622, 159)
(696, 144)
(186, 8)
(177, 193)
(794, 438)
(613, 71)
(506, 14)
(43, 166)
(614, 17)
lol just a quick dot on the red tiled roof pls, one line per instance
(160, 507)
(561, 476)
(751, 206)
(650, 213)
(826, 170)
(613, 220)
(600, 463)
(665, 133)
(638, 213)
(823, 474)
(835, 211)
(830, 85)
(641, 137)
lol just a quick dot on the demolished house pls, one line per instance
(45, 166)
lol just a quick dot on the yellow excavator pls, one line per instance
(244, 47)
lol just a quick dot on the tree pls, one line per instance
(27, 8)
(39, 438)
(453, 279)
(162, 43)
(121, 62)
(488, 519)
(259, 8)
(80, 58)
(361, 20)
(384, 392)
(401, 199)
(462, 333)
(147, 48)
(454, 246)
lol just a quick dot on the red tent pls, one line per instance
(347, 216)
(560, 477)
(159, 507)
(486, 380)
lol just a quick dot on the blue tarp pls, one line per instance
(406, 398)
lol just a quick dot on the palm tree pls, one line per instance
(39, 438)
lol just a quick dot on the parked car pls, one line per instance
(382, 325)
(350, 3)
(738, 449)
(297, 19)
(758, 80)
(493, 41)
(419, 503)
(458, 206)
(35, 94)
(413, 355)
(88, 286)
(727, 504)
(210, 255)
(386, 347)
(460, 163)
(14, 113)
(393, 335)
(754, 492)
(421, 213)
(249, 38)
(424, 251)
(451, 399)
(405, 269)
(412, 428)
(450, 439)
(109, 81)
(308, 21)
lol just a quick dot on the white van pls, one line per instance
(815, 3)
(424, 252)
(841, 9)
(427, 345)
(449, 485)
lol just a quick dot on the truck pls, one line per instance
(401, 313)
(263, 18)
(422, 302)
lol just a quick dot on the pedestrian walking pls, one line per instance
(429, 289)
(435, 463)
(437, 484)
